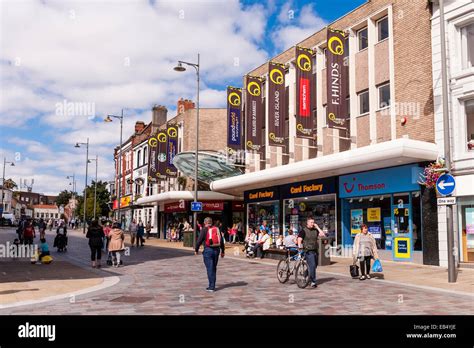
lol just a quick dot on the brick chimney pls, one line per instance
(159, 116)
(184, 105)
(139, 126)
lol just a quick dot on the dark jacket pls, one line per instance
(95, 235)
(140, 230)
(202, 239)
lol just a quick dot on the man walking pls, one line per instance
(308, 240)
(213, 241)
(133, 232)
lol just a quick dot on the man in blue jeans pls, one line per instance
(308, 240)
(213, 245)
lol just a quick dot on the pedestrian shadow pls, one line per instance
(377, 275)
(9, 292)
(231, 285)
(325, 280)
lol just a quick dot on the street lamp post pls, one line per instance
(85, 186)
(108, 119)
(96, 159)
(181, 68)
(5, 162)
(73, 192)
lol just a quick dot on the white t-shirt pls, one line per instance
(266, 241)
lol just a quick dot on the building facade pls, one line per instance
(459, 28)
(370, 175)
(46, 212)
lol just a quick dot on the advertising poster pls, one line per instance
(276, 104)
(402, 248)
(376, 231)
(254, 113)
(234, 119)
(373, 214)
(172, 150)
(357, 218)
(304, 93)
(470, 220)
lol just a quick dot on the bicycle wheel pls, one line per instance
(283, 271)
(302, 275)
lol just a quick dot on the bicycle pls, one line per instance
(294, 264)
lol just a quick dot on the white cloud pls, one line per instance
(294, 30)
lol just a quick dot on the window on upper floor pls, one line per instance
(139, 157)
(469, 108)
(364, 105)
(362, 39)
(467, 33)
(145, 150)
(384, 95)
(382, 29)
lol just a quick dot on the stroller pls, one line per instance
(60, 242)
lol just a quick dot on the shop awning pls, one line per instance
(173, 196)
(383, 155)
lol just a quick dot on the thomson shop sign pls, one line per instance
(382, 181)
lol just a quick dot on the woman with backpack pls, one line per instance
(95, 234)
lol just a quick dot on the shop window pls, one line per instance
(467, 34)
(384, 95)
(265, 211)
(382, 29)
(469, 108)
(364, 103)
(362, 38)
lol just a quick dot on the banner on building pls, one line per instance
(276, 104)
(337, 81)
(305, 93)
(234, 119)
(254, 113)
(171, 150)
(157, 156)
(153, 147)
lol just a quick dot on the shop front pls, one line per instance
(388, 201)
(287, 207)
(465, 216)
(125, 211)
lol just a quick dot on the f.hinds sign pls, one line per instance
(383, 181)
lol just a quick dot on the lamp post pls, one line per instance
(85, 186)
(109, 119)
(5, 162)
(96, 159)
(181, 68)
(73, 192)
(447, 146)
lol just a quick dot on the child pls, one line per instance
(279, 242)
(43, 249)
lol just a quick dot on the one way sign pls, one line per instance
(446, 184)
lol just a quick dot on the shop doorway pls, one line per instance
(402, 227)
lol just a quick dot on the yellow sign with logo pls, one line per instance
(253, 88)
(374, 215)
(234, 99)
(125, 201)
(402, 248)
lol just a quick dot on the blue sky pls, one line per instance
(65, 64)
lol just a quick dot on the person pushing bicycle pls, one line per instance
(308, 241)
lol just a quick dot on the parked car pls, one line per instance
(8, 219)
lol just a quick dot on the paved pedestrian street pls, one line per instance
(161, 280)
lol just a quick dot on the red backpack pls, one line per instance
(213, 237)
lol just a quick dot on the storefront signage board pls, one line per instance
(402, 248)
(373, 214)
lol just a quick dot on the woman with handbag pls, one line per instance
(365, 248)
(116, 244)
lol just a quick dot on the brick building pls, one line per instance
(371, 176)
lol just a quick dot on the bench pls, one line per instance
(275, 254)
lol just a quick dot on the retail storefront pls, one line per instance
(465, 216)
(388, 201)
(287, 206)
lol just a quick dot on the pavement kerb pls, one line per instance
(106, 283)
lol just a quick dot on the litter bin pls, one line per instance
(188, 239)
(324, 251)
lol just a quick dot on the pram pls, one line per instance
(60, 242)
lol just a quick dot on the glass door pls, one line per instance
(402, 227)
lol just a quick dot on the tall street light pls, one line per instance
(85, 186)
(5, 162)
(109, 119)
(73, 177)
(96, 159)
(181, 68)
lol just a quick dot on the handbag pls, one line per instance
(377, 266)
(354, 270)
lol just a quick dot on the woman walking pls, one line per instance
(95, 234)
(365, 248)
(116, 243)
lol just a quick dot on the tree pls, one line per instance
(103, 199)
(63, 198)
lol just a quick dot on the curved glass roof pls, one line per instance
(211, 166)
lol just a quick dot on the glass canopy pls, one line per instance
(211, 166)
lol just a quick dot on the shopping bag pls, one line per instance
(354, 269)
(377, 266)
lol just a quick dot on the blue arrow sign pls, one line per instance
(196, 206)
(445, 184)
